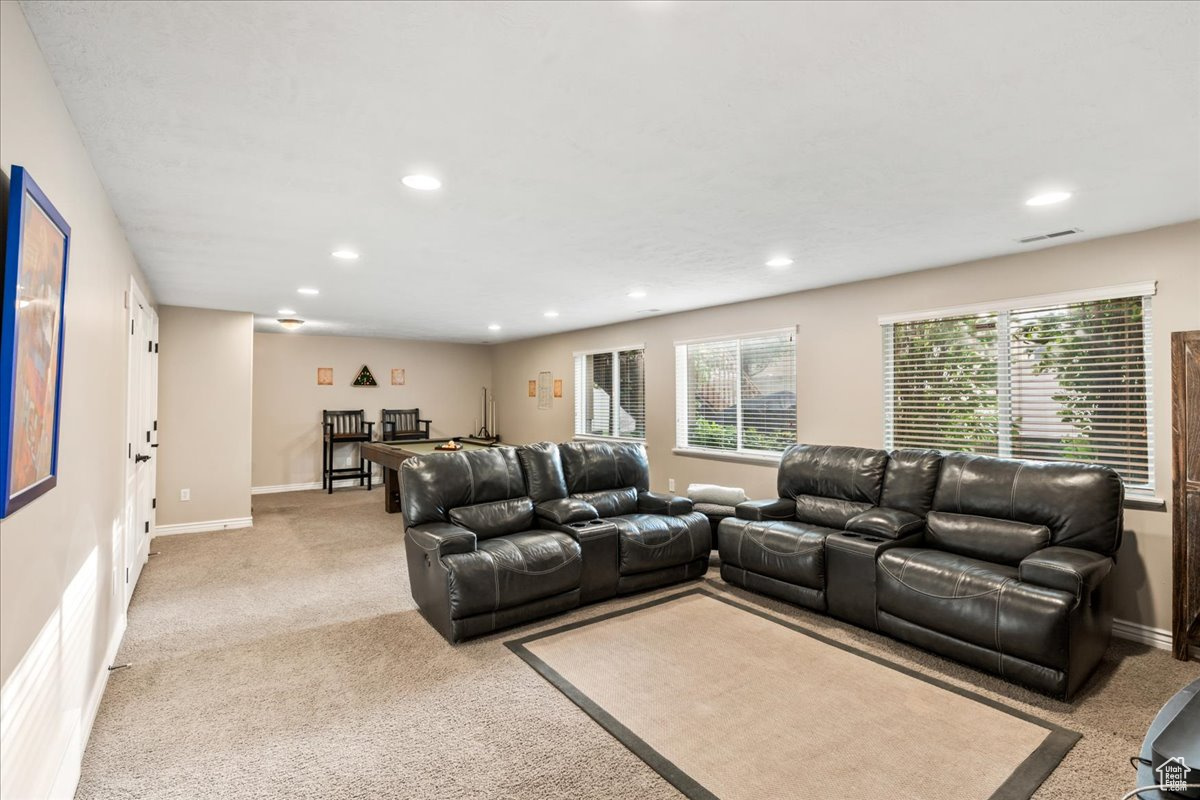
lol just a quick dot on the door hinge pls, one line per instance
(147, 527)
(155, 424)
(127, 574)
(130, 453)
(131, 327)
(156, 348)
(149, 346)
(154, 502)
(147, 436)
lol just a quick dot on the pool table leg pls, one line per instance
(391, 490)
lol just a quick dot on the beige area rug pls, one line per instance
(724, 700)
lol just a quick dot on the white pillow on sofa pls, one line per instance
(715, 495)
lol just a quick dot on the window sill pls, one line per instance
(1145, 504)
(591, 437)
(765, 459)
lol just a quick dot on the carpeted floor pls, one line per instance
(288, 660)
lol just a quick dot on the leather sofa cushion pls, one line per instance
(1081, 504)
(495, 519)
(826, 511)
(510, 570)
(649, 542)
(792, 552)
(1000, 541)
(611, 502)
(543, 468)
(595, 466)
(910, 480)
(842, 473)
(977, 602)
(432, 485)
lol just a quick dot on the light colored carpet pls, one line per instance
(750, 709)
(288, 660)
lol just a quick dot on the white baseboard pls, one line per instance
(1144, 634)
(289, 487)
(305, 487)
(206, 525)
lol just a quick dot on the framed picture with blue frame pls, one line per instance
(32, 323)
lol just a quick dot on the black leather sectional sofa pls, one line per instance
(501, 536)
(997, 563)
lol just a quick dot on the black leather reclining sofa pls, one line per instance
(501, 536)
(997, 563)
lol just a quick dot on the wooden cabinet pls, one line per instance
(1185, 469)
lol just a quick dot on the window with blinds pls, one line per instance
(738, 394)
(1059, 381)
(610, 393)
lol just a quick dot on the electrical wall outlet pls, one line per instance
(670, 484)
(185, 494)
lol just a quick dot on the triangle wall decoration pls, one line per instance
(365, 378)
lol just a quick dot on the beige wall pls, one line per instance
(205, 378)
(840, 380)
(443, 380)
(60, 555)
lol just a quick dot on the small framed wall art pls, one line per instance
(32, 325)
(324, 376)
(397, 377)
(558, 387)
(533, 388)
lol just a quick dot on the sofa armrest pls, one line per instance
(660, 503)
(891, 523)
(442, 538)
(1066, 568)
(759, 510)
(565, 510)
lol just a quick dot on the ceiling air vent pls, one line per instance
(1044, 236)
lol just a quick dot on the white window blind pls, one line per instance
(1068, 381)
(737, 395)
(599, 378)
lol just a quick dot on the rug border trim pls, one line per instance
(1020, 785)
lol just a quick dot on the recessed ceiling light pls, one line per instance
(286, 312)
(551, 314)
(422, 183)
(345, 255)
(1048, 198)
(290, 324)
(779, 262)
(308, 290)
(638, 294)
(493, 327)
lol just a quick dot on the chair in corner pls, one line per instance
(403, 424)
(344, 427)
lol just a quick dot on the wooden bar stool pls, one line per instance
(344, 427)
(400, 424)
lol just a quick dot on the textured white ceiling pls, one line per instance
(588, 149)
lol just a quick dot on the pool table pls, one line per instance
(390, 455)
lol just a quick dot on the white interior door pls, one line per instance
(142, 428)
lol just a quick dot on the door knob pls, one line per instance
(139, 458)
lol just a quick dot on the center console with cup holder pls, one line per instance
(850, 573)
